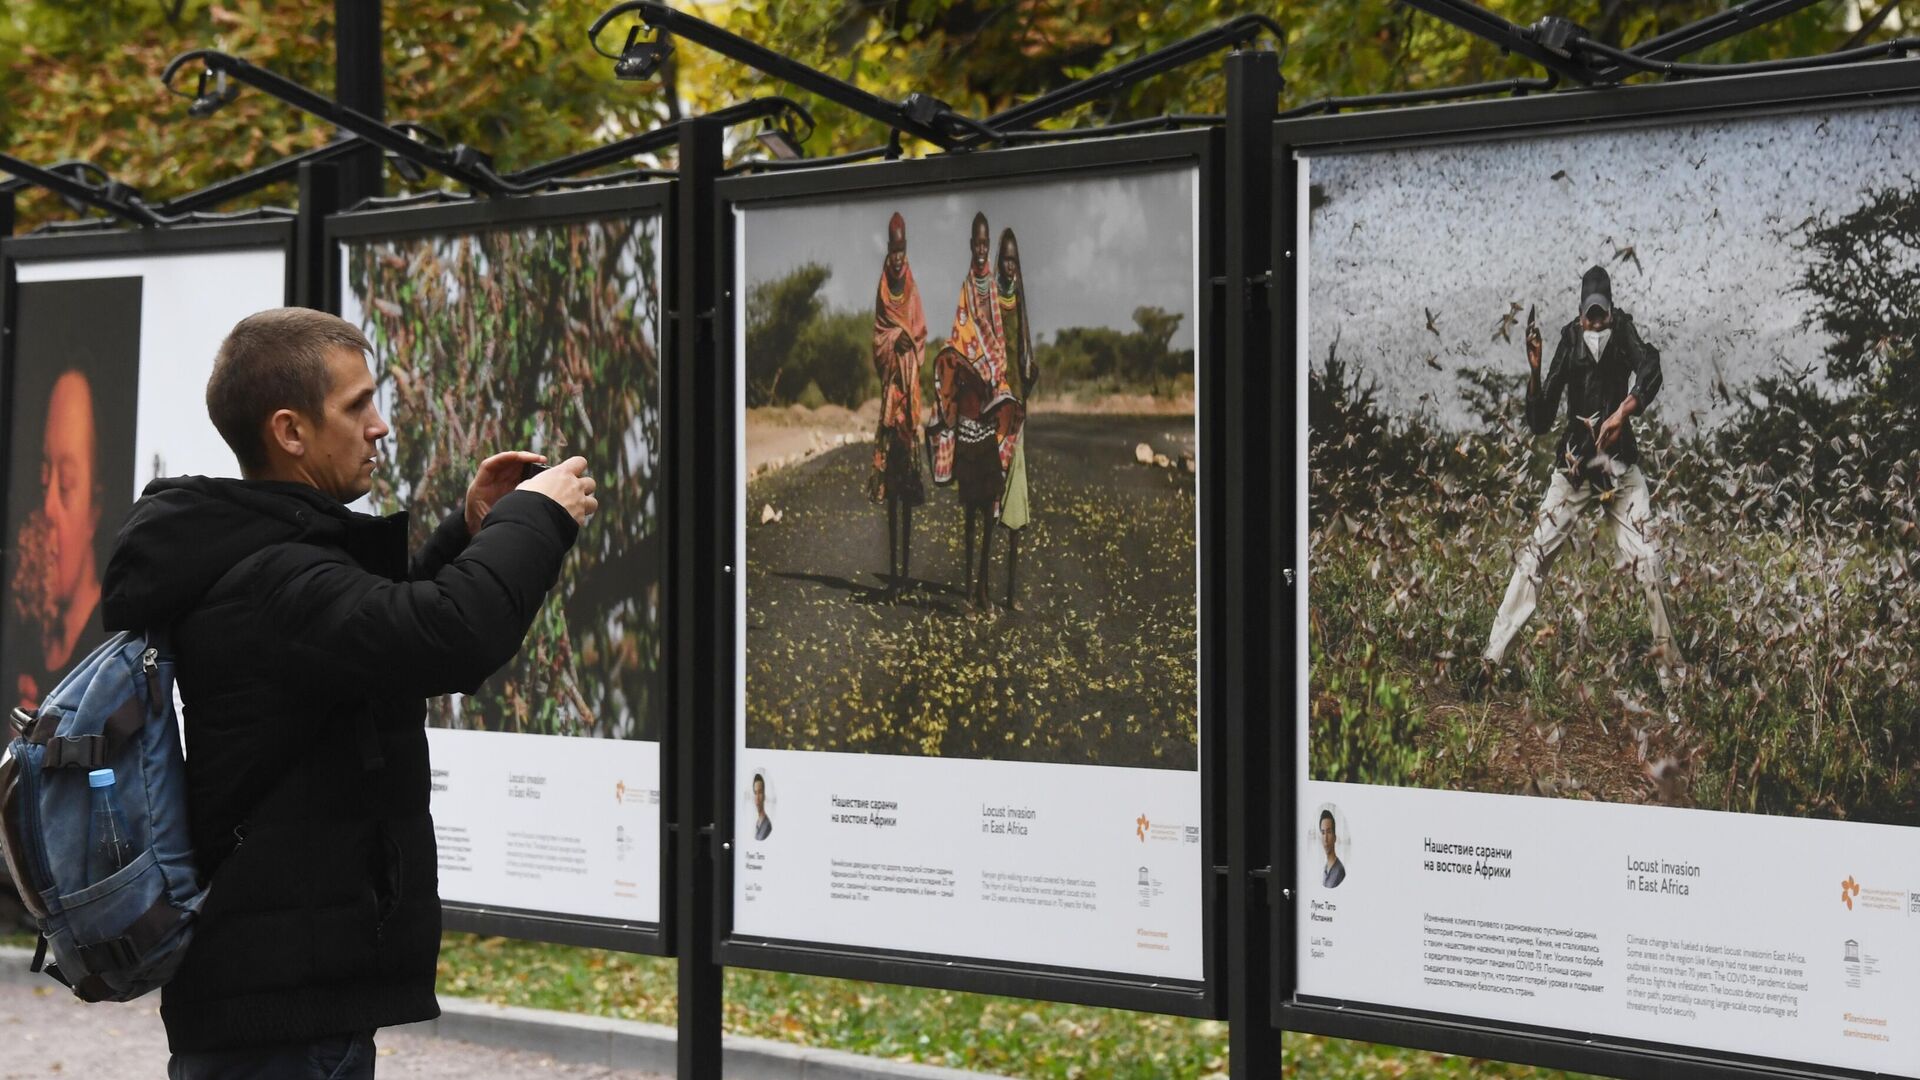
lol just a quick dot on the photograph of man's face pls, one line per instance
(70, 448)
(1329, 834)
(760, 796)
(70, 502)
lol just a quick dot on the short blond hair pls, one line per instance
(272, 360)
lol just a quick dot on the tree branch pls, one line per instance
(1868, 26)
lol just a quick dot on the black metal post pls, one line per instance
(702, 457)
(1253, 96)
(359, 84)
(316, 272)
(1283, 597)
(9, 290)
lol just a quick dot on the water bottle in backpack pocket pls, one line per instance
(109, 849)
(93, 823)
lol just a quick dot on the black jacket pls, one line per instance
(306, 645)
(1594, 388)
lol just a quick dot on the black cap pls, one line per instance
(1596, 290)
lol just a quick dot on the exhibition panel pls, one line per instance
(1605, 732)
(112, 336)
(972, 726)
(537, 324)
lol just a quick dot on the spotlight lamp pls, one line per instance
(408, 169)
(778, 142)
(640, 58)
(782, 135)
(205, 102)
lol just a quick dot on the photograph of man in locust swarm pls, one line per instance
(1075, 640)
(1608, 375)
(1674, 559)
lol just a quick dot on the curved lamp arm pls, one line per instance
(921, 116)
(462, 164)
(111, 196)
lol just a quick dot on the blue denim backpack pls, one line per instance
(116, 939)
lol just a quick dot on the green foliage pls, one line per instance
(797, 351)
(1846, 452)
(835, 352)
(1363, 727)
(797, 347)
(518, 80)
(1794, 611)
(82, 80)
(542, 339)
(1356, 455)
(777, 311)
(983, 58)
(1100, 359)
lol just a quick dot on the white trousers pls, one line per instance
(1630, 509)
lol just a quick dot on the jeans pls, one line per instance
(334, 1057)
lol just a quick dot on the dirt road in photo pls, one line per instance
(1099, 667)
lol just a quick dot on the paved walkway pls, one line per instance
(45, 1032)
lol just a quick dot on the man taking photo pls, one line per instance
(306, 642)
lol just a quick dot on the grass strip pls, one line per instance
(1010, 1036)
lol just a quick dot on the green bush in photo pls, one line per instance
(541, 338)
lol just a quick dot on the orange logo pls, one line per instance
(1848, 890)
(620, 791)
(1140, 825)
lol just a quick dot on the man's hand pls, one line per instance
(1533, 344)
(1611, 428)
(569, 485)
(498, 475)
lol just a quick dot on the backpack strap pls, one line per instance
(75, 752)
(92, 988)
(92, 751)
(125, 951)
